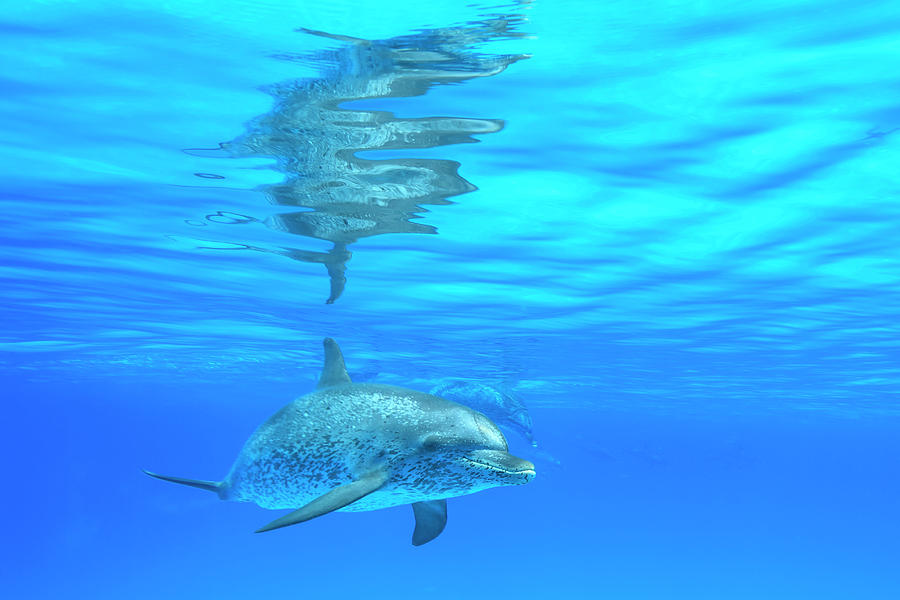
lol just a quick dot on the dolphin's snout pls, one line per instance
(529, 472)
(525, 469)
(516, 471)
(518, 465)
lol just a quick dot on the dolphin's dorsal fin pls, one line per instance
(334, 372)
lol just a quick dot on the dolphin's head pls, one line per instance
(473, 455)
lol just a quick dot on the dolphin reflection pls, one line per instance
(315, 139)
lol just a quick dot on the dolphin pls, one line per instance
(363, 446)
(501, 405)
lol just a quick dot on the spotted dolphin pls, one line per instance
(361, 446)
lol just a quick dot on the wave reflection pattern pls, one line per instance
(315, 140)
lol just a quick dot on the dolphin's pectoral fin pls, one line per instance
(337, 498)
(431, 518)
(334, 372)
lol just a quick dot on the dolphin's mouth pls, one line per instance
(498, 468)
(501, 462)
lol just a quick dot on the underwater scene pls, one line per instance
(450, 300)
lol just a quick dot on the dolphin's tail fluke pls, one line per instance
(212, 486)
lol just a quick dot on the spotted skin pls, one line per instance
(431, 449)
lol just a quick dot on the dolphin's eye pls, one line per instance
(431, 443)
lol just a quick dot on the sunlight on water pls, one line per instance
(713, 186)
(316, 139)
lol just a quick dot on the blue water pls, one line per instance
(656, 243)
